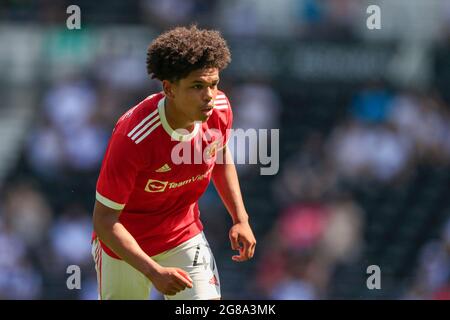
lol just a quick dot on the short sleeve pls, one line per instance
(229, 125)
(226, 121)
(120, 166)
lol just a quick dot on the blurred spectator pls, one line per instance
(372, 104)
(69, 137)
(325, 19)
(255, 106)
(239, 18)
(125, 72)
(45, 153)
(432, 279)
(297, 282)
(70, 237)
(306, 175)
(424, 120)
(69, 105)
(27, 213)
(305, 246)
(311, 12)
(342, 240)
(18, 278)
(85, 150)
(376, 152)
(288, 252)
(168, 13)
(302, 225)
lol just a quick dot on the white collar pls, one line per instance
(173, 133)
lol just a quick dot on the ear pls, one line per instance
(168, 88)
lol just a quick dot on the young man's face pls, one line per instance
(194, 95)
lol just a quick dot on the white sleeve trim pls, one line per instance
(109, 203)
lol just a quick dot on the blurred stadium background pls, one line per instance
(364, 124)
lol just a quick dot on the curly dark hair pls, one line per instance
(178, 52)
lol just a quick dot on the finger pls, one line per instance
(183, 282)
(246, 250)
(176, 287)
(252, 250)
(183, 279)
(186, 276)
(240, 257)
(234, 237)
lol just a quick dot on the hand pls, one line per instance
(170, 281)
(241, 233)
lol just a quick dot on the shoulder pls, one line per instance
(222, 102)
(140, 121)
(222, 109)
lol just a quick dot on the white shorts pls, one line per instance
(117, 280)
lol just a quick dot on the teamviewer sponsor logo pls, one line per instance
(155, 185)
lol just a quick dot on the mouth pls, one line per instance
(207, 108)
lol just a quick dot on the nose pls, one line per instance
(209, 94)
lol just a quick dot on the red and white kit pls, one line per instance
(141, 174)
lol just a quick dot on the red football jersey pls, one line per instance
(156, 175)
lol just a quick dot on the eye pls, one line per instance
(197, 86)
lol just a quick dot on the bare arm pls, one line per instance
(109, 229)
(226, 181)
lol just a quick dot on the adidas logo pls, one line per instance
(164, 168)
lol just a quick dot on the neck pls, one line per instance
(176, 119)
